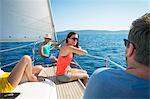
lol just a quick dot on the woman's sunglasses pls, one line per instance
(48, 38)
(74, 38)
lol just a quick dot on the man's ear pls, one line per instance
(130, 50)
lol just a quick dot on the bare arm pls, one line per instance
(57, 43)
(72, 49)
(78, 51)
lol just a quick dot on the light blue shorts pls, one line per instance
(64, 77)
(49, 60)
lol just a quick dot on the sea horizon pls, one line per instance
(60, 32)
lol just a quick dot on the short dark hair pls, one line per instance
(139, 34)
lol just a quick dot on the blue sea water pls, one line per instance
(98, 43)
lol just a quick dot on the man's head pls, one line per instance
(139, 40)
(47, 37)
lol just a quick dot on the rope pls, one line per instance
(97, 57)
(107, 59)
(78, 64)
(117, 64)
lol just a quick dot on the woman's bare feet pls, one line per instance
(33, 79)
(40, 78)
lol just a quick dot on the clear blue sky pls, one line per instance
(97, 14)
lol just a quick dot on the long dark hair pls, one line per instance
(69, 35)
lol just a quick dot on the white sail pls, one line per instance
(25, 20)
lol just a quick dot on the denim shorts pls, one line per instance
(48, 60)
(64, 77)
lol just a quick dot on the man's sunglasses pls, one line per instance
(127, 42)
(74, 38)
(48, 38)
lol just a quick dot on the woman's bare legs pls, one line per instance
(79, 74)
(78, 70)
(36, 69)
(23, 68)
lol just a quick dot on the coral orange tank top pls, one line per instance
(62, 63)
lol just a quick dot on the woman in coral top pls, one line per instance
(64, 72)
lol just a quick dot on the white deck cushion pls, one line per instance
(37, 90)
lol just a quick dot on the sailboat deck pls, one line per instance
(69, 90)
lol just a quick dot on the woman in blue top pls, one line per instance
(46, 47)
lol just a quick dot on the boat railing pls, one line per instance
(13, 63)
(78, 64)
(9, 64)
(19, 47)
(23, 46)
(107, 60)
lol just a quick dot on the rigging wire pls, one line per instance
(107, 59)
(78, 64)
(9, 64)
(33, 50)
(6, 50)
(13, 63)
(55, 36)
